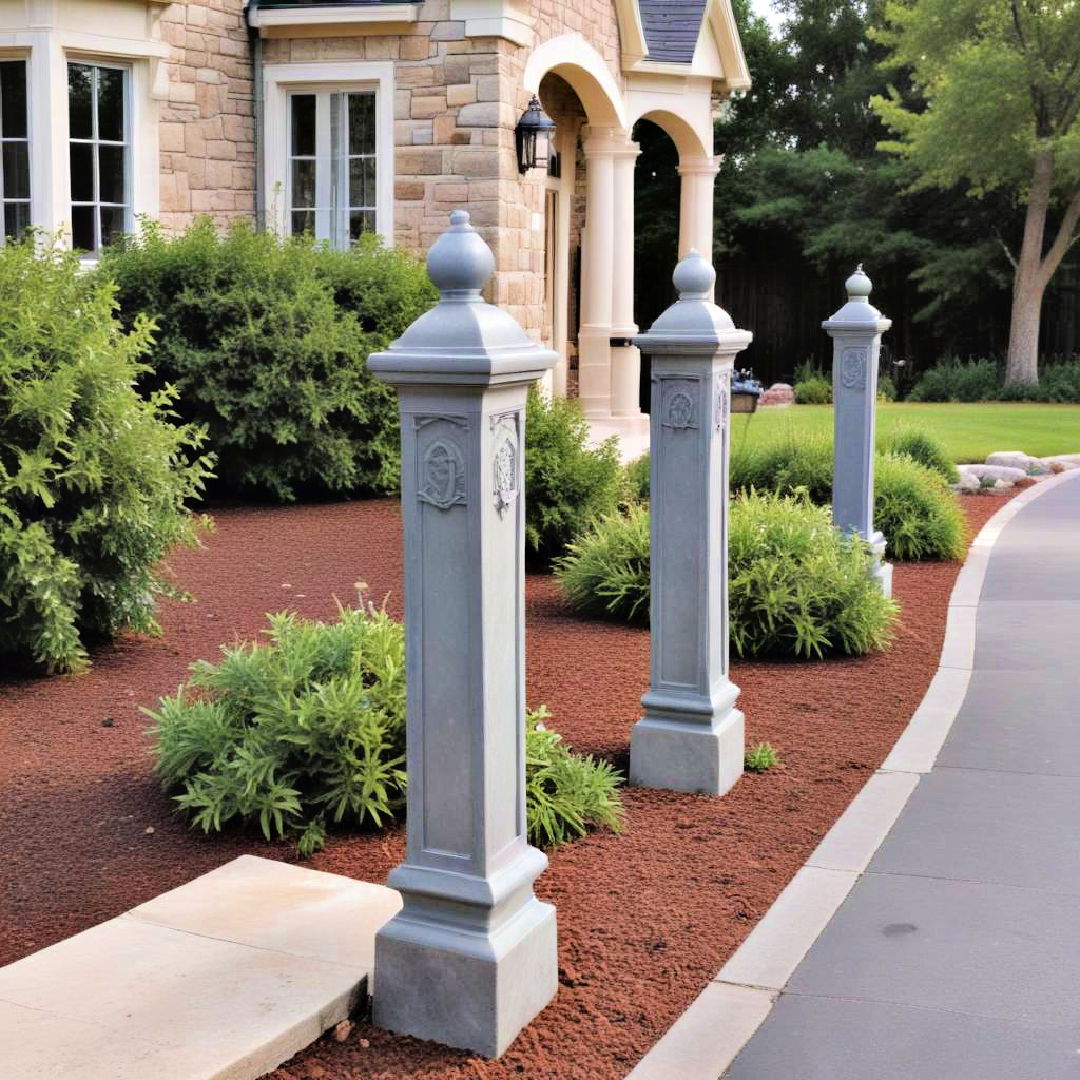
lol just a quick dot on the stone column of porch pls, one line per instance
(625, 359)
(856, 331)
(691, 737)
(698, 179)
(598, 271)
(471, 957)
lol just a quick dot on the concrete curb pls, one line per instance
(706, 1039)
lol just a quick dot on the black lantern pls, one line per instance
(531, 136)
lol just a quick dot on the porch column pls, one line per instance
(597, 270)
(625, 359)
(696, 205)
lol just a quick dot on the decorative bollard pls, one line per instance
(470, 958)
(856, 331)
(691, 737)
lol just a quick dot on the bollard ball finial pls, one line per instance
(459, 262)
(694, 277)
(858, 286)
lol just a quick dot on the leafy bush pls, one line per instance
(568, 484)
(267, 342)
(886, 389)
(638, 478)
(1059, 384)
(761, 758)
(797, 588)
(816, 391)
(913, 505)
(307, 731)
(916, 510)
(93, 478)
(919, 445)
(957, 380)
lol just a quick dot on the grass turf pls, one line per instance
(969, 432)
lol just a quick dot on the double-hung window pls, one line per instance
(100, 153)
(14, 148)
(332, 185)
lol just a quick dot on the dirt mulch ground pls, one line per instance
(645, 918)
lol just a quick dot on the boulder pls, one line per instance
(995, 472)
(1017, 459)
(779, 393)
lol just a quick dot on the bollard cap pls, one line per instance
(462, 339)
(694, 323)
(858, 313)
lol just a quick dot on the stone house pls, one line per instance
(343, 116)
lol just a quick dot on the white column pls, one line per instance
(597, 271)
(625, 359)
(696, 205)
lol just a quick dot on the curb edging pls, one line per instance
(706, 1039)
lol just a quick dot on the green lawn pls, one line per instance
(969, 432)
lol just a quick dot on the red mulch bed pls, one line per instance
(646, 918)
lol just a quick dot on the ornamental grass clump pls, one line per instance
(797, 588)
(921, 446)
(267, 340)
(305, 732)
(95, 479)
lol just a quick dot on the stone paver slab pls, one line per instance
(989, 950)
(807, 1038)
(972, 825)
(1018, 724)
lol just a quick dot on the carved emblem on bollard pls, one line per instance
(853, 369)
(505, 427)
(679, 410)
(442, 468)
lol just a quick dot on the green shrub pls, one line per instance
(638, 476)
(886, 389)
(957, 380)
(568, 484)
(267, 342)
(913, 505)
(93, 478)
(927, 449)
(797, 588)
(761, 758)
(1059, 384)
(916, 510)
(815, 391)
(307, 731)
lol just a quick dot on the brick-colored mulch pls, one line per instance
(645, 918)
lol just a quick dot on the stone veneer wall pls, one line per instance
(207, 124)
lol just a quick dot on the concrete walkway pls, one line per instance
(956, 955)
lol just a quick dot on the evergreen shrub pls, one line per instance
(919, 445)
(568, 484)
(797, 588)
(306, 731)
(267, 341)
(959, 380)
(94, 478)
(813, 391)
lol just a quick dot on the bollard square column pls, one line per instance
(856, 331)
(471, 957)
(691, 737)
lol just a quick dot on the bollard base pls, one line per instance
(684, 756)
(882, 572)
(473, 991)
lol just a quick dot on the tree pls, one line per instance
(1000, 81)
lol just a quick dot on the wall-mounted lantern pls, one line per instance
(532, 136)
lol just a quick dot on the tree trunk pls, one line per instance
(1029, 282)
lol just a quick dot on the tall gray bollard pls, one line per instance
(470, 959)
(691, 737)
(856, 331)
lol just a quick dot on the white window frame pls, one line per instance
(282, 80)
(95, 141)
(24, 59)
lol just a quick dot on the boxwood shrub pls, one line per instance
(306, 732)
(267, 342)
(94, 478)
(798, 589)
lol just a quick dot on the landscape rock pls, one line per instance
(1017, 459)
(778, 394)
(996, 472)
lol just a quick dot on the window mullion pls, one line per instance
(323, 168)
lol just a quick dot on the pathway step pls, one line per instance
(221, 979)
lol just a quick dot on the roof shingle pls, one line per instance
(671, 28)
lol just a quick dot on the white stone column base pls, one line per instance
(882, 571)
(680, 756)
(474, 991)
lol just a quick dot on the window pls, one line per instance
(332, 189)
(99, 154)
(15, 143)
